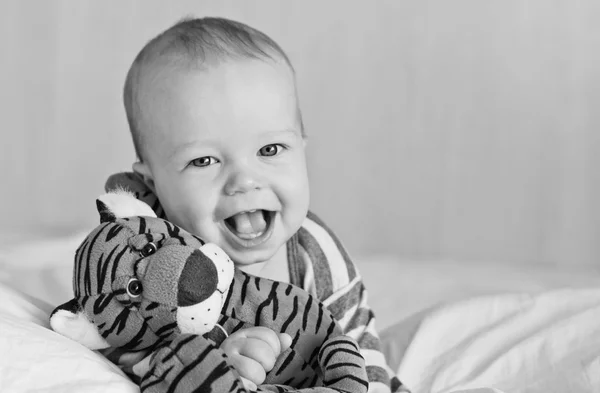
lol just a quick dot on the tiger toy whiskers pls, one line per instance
(160, 300)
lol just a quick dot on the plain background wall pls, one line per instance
(457, 130)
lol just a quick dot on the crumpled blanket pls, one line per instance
(516, 343)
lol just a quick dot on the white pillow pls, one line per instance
(34, 358)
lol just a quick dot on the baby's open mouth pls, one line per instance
(250, 225)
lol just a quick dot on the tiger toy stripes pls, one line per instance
(160, 300)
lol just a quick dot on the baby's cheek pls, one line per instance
(293, 180)
(183, 217)
(299, 194)
(205, 228)
(296, 206)
(191, 211)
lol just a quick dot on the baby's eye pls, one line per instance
(204, 161)
(270, 150)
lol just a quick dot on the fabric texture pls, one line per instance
(36, 359)
(517, 343)
(319, 264)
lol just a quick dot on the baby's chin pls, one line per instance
(246, 258)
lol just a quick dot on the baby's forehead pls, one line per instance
(176, 78)
(164, 77)
(201, 88)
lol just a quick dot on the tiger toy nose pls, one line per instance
(198, 280)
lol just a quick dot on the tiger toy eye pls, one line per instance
(134, 287)
(148, 250)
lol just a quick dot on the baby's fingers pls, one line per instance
(248, 368)
(260, 351)
(285, 340)
(267, 335)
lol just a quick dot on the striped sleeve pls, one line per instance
(330, 273)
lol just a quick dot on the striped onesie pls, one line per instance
(319, 264)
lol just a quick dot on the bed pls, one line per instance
(446, 326)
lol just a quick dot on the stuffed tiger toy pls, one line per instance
(150, 294)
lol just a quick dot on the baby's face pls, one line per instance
(226, 155)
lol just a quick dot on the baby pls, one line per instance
(213, 111)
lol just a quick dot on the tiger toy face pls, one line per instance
(141, 280)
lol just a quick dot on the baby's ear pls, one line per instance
(69, 320)
(119, 204)
(143, 171)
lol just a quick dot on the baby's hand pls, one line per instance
(253, 351)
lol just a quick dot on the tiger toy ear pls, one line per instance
(69, 320)
(120, 204)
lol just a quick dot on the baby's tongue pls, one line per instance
(250, 222)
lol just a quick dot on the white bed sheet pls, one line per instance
(448, 325)
(399, 288)
(518, 343)
(444, 324)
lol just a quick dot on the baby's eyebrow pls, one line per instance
(183, 147)
(287, 131)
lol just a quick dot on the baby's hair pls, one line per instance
(195, 42)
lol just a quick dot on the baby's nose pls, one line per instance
(242, 182)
